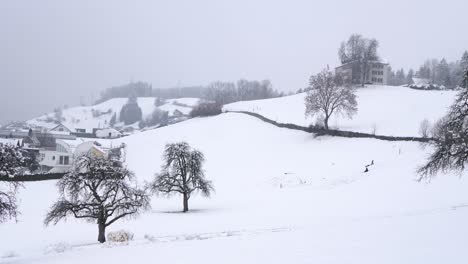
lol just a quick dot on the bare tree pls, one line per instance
(451, 140)
(424, 128)
(328, 94)
(8, 206)
(361, 51)
(98, 189)
(182, 173)
(14, 161)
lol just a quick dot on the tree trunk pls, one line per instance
(102, 233)
(185, 202)
(325, 122)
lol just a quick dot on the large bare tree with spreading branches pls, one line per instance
(98, 189)
(450, 140)
(328, 94)
(182, 172)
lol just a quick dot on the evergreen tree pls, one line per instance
(131, 112)
(409, 77)
(442, 74)
(400, 77)
(450, 140)
(113, 120)
(465, 79)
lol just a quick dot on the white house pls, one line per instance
(90, 148)
(58, 159)
(108, 133)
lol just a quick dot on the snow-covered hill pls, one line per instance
(389, 110)
(98, 116)
(282, 196)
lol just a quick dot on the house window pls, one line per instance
(64, 160)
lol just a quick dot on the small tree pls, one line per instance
(182, 173)
(158, 117)
(113, 120)
(424, 128)
(451, 140)
(158, 102)
(98, 189)
(328, 95)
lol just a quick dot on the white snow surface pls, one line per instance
(391, 110)
(81, 117)
(282, 196)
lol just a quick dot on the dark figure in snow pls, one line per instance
(372, 163)
(366, 170)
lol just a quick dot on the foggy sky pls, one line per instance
(54, 52)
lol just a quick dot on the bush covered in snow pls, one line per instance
(120, 236)
(206, 109)
(57, 248)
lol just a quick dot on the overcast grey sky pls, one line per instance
(53, 52)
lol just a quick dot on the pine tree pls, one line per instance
(113, 120)
(131, 112)
(450, 140)
(442, 75)
(409, 77)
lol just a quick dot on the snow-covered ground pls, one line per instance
(82, 117)
(390, 110)
(282, 196)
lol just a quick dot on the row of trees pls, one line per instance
(439, 72)
(102, 190)
(244, 90)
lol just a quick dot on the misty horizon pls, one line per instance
(57, 53)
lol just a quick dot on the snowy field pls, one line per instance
(390, 110)
(282, 196)
(82, 117)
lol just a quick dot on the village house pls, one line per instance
(351, 72)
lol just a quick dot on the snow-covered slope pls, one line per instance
(82, 117)
(282, 196)
(390, 110)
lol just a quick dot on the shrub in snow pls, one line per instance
(120, 236)
(158, 117)
(10, 254)
(424, 128)
(206, 109)
(57, 248)
(150, 238)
